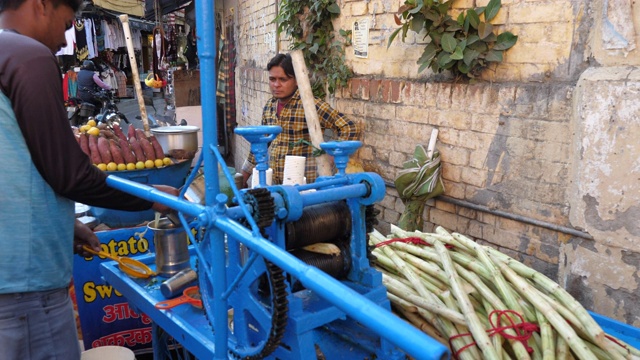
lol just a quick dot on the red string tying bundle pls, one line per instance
(523, 329)
(410, 240)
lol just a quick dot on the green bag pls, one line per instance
(418, 181)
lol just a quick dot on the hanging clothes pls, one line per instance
(70, 37)
(82, 52)
(88, 31)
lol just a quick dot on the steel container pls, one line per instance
(177, 138)
(171, 243)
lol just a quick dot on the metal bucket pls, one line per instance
(171, 242)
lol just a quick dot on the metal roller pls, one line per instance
(330, 222)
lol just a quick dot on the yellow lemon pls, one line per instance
(167, 161)
(91, 123)
(93, 131)
(149, 164)
(131, 166)
(102, 166)
(112, 166)
(84, 128)
(122, 167)
(140, 165)
(158, 163)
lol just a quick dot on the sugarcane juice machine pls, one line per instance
(265, 291)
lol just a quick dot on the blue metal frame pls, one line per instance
(190, 327)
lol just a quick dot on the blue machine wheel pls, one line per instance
(259, 314)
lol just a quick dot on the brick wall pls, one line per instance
(506, 140)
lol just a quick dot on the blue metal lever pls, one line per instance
(341, 151)
(260, 137)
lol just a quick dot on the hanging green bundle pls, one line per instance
(418, 181)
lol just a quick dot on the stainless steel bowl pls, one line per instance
(177, 139)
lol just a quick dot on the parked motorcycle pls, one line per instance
(80, 112)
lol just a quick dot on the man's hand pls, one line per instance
(163, 209)
(83, 235)
(245, 178)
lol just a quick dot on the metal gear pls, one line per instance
(261, 206)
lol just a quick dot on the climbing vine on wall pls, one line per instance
(309, 23)
(465, 45)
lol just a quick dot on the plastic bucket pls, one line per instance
(108, 353)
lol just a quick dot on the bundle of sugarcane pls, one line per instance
(484, 304)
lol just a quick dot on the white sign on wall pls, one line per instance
(361, 38)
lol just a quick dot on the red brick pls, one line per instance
(385, 88)
(395, 91)
(374, 89)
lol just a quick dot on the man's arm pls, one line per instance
(343, 127)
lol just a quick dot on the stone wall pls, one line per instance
(513, 143)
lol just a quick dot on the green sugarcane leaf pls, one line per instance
(492, 9)
(449, 43)
(505, 41)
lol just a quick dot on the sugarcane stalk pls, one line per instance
(402, 268)
(427, 267)
(562, 349)
(400, 290)
(595, 331)
(432, 285)
(494, 301)
(527, 291)
(421, 324)
(504, 289)
(478, 332)
(627, 349)
(546, 334)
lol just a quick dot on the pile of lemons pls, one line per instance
(90, 128)
(140, 165)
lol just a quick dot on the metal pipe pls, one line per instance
(334, 194)
(206, 37)
(383, 322)
(506, 215)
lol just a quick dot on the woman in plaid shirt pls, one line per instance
(285, 109)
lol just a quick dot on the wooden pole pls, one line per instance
(124, 18)
(323, 162)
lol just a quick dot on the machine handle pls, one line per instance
(259, 134)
